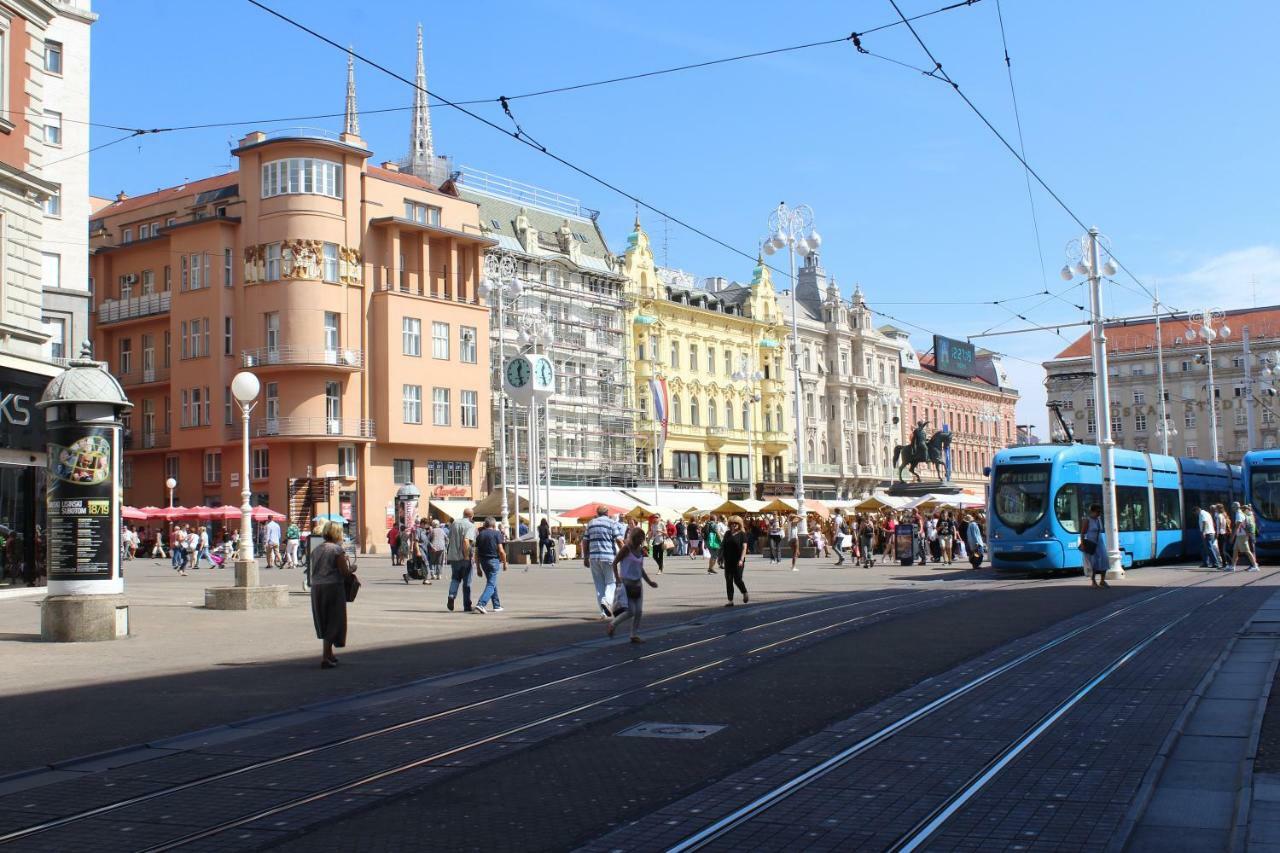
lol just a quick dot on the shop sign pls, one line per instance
(344, 507)
(22, 426)
(451, 492)
(83, 515)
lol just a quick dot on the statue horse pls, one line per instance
(935, 450)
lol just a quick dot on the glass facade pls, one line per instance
(22, 523)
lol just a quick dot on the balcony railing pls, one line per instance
(302, 356)
(142, 377)
(437, 284)
(822, 469)
(145, 440)
(119, 310)
(305, 427)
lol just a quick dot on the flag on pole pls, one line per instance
(658, 388)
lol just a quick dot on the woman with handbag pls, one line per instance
(1091, 545)
(629, 574)
(734, 550)
(333, 584)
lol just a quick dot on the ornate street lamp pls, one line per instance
(245, 387)
(1209, 324)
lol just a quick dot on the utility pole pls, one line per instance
(1164, 416)
(1252, 428)
(1102, 393)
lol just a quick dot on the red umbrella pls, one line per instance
(128, 513)
(262, 513)
(151, 512)
(169, 513)
(227, 513)
(591, 509)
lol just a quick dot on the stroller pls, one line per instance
(415, 567)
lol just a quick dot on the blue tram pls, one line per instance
(1040, 494)
(1262, 490)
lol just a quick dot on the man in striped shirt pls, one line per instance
(600, 544)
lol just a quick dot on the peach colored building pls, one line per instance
(349, 289)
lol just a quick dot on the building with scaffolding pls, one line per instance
(570, 295)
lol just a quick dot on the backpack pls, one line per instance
(713, 538)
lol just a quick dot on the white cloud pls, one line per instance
(1229, 280)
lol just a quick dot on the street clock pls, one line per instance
(529, 377)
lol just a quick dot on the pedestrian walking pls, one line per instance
(628, 570)
(657, 541)
(682, 538)
(793, 538)
(774, 527)
(1223, 524)
(292, 538)
(837, 539)
(491, 558)
(419, 537)
(602, 540)
(329, 571)
(177, 545)
(1210, 558)
(202, 544)
(460, 551)
(1241, 544)
(393, 542)
(157, 548)
(866, 538)
(191, 548)
(546, 548)
(712, 537)
(973, 540)
(438, 541)
(1093, 546)
(733, 549)
(273, 544)
(946, 535)
(695, 539)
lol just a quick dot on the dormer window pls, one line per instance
(302, 175)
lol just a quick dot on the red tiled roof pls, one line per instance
(1141, 335)
(929, 363)
(191, 188)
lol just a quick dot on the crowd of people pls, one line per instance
(191, 545)
(1228, 535)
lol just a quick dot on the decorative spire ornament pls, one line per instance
(421, 149)
(351, 124)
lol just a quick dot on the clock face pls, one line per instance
(518, 372)
(544, 373)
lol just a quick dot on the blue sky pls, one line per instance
(1150, 119)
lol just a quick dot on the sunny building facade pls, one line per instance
(728, 430)
(351, 290)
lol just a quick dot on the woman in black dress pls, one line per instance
(733, 548)
(329, 570)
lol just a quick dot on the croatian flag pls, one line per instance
(658, 388)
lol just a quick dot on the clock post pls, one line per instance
(531, 380)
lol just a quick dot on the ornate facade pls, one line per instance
(727, 427)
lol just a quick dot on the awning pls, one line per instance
(450, 508)
(791, 505)
(882, 501)
(742, 506)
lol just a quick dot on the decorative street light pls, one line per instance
(1085, 253)
(171, 484)
(1202, 323)
(745, 375)
(245, 387)
(501, 284)
(793, 230)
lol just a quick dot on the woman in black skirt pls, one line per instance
(329, 569)
(734, 550)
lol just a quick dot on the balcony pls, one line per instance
(299, 356)
(134, 308)
(303, 427)
(822, 469)
(135, 378)
(437, 284)
(146, 440)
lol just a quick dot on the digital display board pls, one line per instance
(953, 357)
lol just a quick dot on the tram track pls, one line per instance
(928, 826)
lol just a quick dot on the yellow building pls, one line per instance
(720, 347)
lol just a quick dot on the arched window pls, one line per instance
(746, 416)
(826, 459)
(728, 414)
(675, 354)
(809, 456)
(675, 409)
(693, 411)
(778, 419)
(711, 412)
(768, 421)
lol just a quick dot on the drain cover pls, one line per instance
(671, 731)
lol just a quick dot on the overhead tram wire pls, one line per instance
(940, 74)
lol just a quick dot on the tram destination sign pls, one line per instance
(955, 358)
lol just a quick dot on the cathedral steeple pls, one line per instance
(421, 151)
(351, 124)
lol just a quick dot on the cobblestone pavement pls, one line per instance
(495, 749)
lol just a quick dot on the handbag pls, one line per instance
(1088, 546)
(351, 585)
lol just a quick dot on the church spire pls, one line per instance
(352, 123)
(421, 151)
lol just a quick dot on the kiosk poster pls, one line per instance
(82, 513)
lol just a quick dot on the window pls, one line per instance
(1140, 422)
(675, 354)
(1192, 451)
(204, 335)
(333, 408)
(53, 204)
(228, 278)
(329, 270)
(272, 335)
(126, 355)
(693, 356)
(711, 360)
(227, 348)
(675, 408)
(736, 468)
(401, 471)
(261, 463)
(686, 465)
(168, 277)
(53, 128)
(50, 269)
(467, 344)
(171, 468)
(728, 363)
(439, 340)
(53, 57)
(1189, 419)
(412, 399)
(273, 262)
(1020, 494)
(1091, 422)
(1139, 398)
(1186, 367)
(423, 214)
(148, 281)
(228, 406)
(1117, 423)
(713, 467)
(184, 280)
(213, 466)
(271, 399)
(331, 335)
(728, 414)
(442, 473)
(693, 412)
(301, 175)
(440, 406)
(57, 331)
(470, 409)
(126, 235)
(411, 336)
(182, 339)
(713, 415)
(346, 460)
(168, 347)
(199, 270)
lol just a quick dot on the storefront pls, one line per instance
(22, 478)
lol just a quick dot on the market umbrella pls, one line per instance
(589, 510)
(128, 513)
(169, 513)
(262, 513)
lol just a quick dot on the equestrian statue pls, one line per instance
(932, 451)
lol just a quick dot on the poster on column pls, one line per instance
(84, 515)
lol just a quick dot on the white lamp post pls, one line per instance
(244, 387)
(501, 284)
(1085, 253)
(745, 375)
(1202, 324)
(171, 484)
(793, 230)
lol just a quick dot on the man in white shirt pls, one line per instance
(1209, 537)
(273, 544)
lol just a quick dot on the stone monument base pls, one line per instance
(925, 487)
(246, 597)
(83, 618)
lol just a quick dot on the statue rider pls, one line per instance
(920, 442)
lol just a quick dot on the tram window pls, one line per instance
(1264, 485)
(1021, 494)
(1132, 508)
(1072, 503)
(1168, 516)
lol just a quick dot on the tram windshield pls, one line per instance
(1264, 488)
(1021, 494)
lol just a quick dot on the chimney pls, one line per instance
(122, 196)
(390, 166)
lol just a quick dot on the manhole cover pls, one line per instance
(671, 731)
